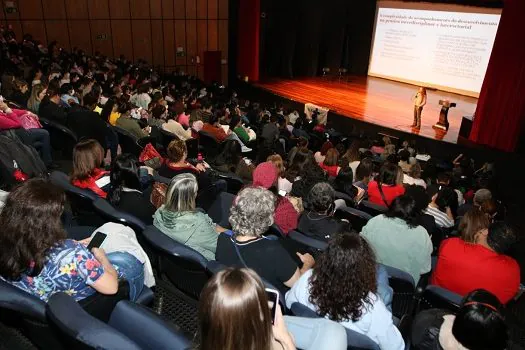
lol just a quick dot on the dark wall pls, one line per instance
(300, 37)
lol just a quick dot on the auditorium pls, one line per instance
(262, 174)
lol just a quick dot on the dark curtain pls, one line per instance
(300, 37)
(500, 114)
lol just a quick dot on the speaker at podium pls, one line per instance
(443, 114)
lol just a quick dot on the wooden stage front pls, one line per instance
(378, 101)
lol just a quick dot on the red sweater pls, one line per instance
(390, 192)
(218, 133)
(90, 182)
(9, 121)
(463, 267)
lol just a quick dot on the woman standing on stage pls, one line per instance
(419, 101)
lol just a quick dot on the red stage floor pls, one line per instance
(378, 101)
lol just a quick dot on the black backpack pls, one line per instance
(27, 159)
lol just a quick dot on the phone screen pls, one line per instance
(97, 240)
(273, 300)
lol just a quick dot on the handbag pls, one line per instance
(158, 194)
(29, 121)
(151, 157)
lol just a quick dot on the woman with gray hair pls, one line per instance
(245, 246)
(179, 219)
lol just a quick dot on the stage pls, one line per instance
(378, 101)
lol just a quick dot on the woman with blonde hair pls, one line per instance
(234, 314)
(282, 183)
(37, 95)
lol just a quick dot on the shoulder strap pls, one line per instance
(380, 188)
(232, 240)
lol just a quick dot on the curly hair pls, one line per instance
(343, 277)
(31, 225)
(321, 197)
(252, 211)
(176, 150)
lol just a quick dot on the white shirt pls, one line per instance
(376, 322)
(353, 165)
(284, 185)
(409, 180)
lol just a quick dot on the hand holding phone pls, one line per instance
(273, 302)
(97, 240)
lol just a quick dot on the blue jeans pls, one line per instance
(316, 333)
(131, 269)
(384, 291)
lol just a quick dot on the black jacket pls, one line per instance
(51, 111)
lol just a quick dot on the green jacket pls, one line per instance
(194, 229)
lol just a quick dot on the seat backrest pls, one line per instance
(183, 266)
(308, 241)
(62, 138)
(357, 218)
(82, 331)
(209, 144)
(167, 137)
(109, 212)
(128, 142)
(440, 298)
(355, 340)
(372, 208)
(402, 283)
(192, 145)
(132, 320)
(233, 182)
(21, 309)
(219, 211)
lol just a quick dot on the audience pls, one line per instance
(50, 108)
(245, 246)
(330, 163)
(342, 287)
(397, 239)
(478, 260)
(179, 218)
(173, 126)
(443, 206)
(38, 92)
(363, 174)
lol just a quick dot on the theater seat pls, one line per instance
(434, 297)
(355, 340)
(27, 312)
(110, 213)
(308, 241)
(182, 266)
(219, 211)
(404, 289)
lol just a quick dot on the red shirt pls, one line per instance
(463, 267)
(331, 170)
(218, 133)
(90, 182)
(390, 192)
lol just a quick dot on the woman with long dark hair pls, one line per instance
(342, 287)
(386, 185)
(130, 190)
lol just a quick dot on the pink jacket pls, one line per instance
(10, 120)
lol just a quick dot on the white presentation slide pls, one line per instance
(446, 50)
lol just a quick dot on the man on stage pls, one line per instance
(420, 99)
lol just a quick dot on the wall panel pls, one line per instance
(30, 9)
(148, 29)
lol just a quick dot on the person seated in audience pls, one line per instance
(363, 174)
(20, 94)
(321, 154)
(142, 97)
(317, 220)
(479, 324)
(330, 163)
(302, 143)
(129, 121)
(480, 196)
(270, 131)
(237, 127)
(179, 219)
(352, 157)
(251, 214)
(234, 302)
(173, 126)
(443, 206)
(478, 260)
(422, 200)
(38, 92)
(88, 172)
(413, 177)
(385, 188)
(266, 176)
(397, 239)
(344, 183)
(305, 173)
(282, 183)
(343, 287)
(37, 75)
(50, 107)
(177, 161)
(404, 160)
(110, 112)
(26, 126)
(67, 95)
(444, 180)
(213, 128)
(42, 261)
(130, 190)
(230, 160)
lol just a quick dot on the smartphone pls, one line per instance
(273, 300)
(282, 193)
(97, 240)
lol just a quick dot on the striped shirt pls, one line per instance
(442, 219)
